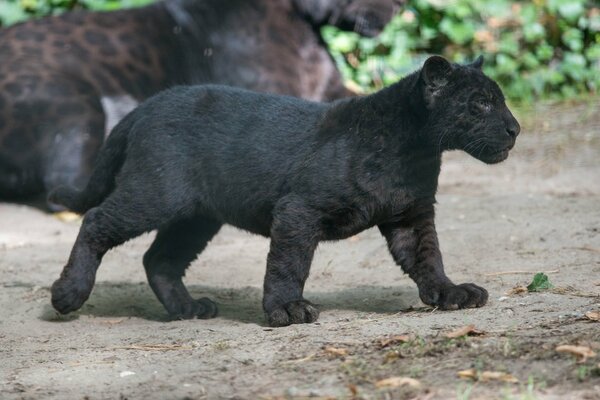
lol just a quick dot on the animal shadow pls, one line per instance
(126, 299)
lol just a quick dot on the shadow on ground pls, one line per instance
(239, 304)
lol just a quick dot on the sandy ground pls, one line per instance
(537, 212)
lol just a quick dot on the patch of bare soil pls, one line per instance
(498, 225)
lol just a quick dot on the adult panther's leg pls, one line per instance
(76, 140)
(17, 182)
(294, 238)
(51, 128)
(173, 249)
(23, 138)
(414, 246)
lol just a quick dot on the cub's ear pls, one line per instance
(478, 63)
(435, 71)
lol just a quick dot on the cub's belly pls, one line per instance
(345, 223)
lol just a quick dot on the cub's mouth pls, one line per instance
(494, 156)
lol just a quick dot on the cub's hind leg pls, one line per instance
(174, 248)
(112, 223)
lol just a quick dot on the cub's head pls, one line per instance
(466, 110)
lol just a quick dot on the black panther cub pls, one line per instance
(191, 159)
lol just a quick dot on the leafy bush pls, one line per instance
(13, 11)
(540, 48)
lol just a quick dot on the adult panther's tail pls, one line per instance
(102, 181)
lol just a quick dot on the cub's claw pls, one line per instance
(453, 297)
(203, 308)
(294, 312)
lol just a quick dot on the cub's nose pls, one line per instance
(513, 128)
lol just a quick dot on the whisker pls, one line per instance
(481, 150)
(445, 133)
(473, 144)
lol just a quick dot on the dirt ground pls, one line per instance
(498, 225)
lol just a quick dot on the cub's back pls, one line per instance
(227, 148)
(214, 118)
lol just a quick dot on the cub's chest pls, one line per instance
(351, 219)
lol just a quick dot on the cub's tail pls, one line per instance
(102, 181)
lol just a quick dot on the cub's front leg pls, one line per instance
(294, 238)
(414, 246)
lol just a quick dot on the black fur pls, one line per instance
(193, 158)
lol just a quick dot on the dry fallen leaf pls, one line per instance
(353, 389)
(391, 356)
(497, 376)
(468, 374)
(398, 381)
(468, 330)
(67, 216)
(336, 351)
(517, 290)
(111, 321)
(583, 352)
(393, 340)
(593, 315)
(486, 376)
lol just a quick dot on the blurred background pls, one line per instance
(541, 49)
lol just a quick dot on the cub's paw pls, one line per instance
(203, 308)
(453, 297)
(294, 312)
(69, 295)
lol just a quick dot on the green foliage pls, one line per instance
(13, 11)
(534, 49)
(540, 282)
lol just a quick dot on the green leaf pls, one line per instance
(344, 42)
(593, 52)
(544, 52)
(459, 32)
(540, 282)
(533, 32)
(574, 65)
(506, 64)
(509, 43)
(573, 38)
(571, 10)
(11, 13)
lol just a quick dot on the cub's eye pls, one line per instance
(483, 105)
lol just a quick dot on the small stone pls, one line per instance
(292, 391)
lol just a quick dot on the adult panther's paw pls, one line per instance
(453, 297)
(294, 312)
(203, 308)
(69, 294)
